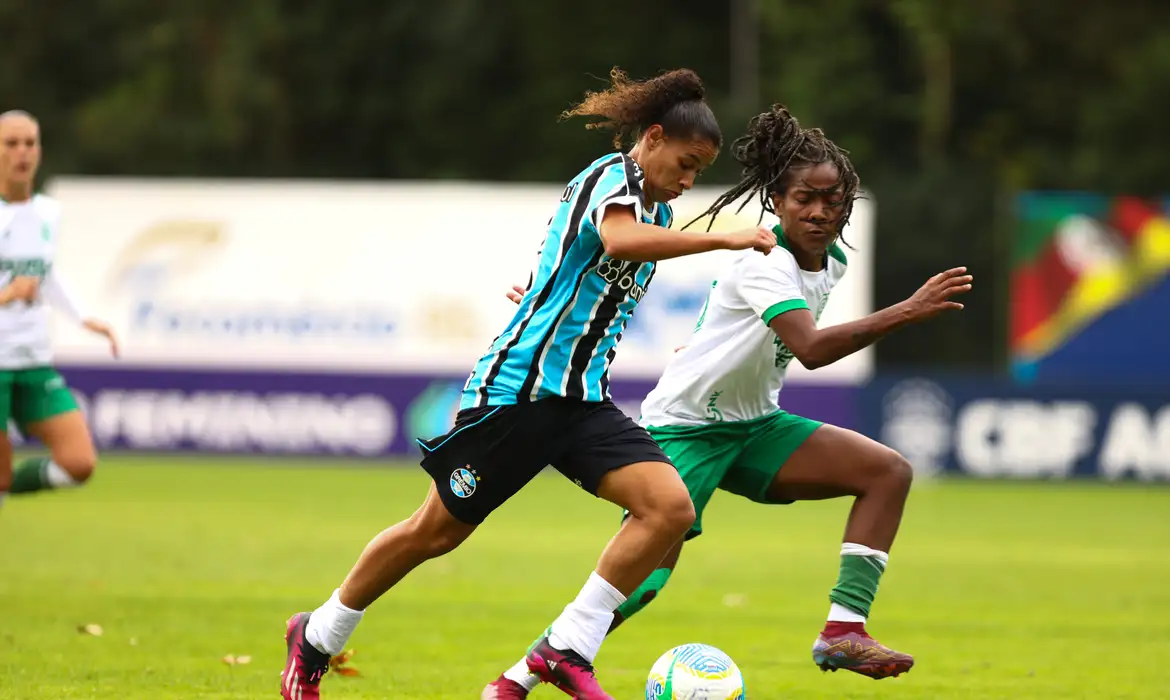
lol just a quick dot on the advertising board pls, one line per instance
(989, 428)
(330, 276)
(341, 414)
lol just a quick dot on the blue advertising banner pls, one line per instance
(989, 428)
(304, 413)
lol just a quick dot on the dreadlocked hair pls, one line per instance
(674, 100)
(773, 147)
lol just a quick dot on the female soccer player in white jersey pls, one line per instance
(714, 411)
(539, 396)
(32, 393)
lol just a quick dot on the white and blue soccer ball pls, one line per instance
(695, 672)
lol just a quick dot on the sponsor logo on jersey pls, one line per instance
(621, 275)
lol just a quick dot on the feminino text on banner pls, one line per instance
(234, 421)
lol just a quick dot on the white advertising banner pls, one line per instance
(348, 276)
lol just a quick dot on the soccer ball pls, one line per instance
(695, 672)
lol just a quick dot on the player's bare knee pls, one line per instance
(80, 466)
(675, 511)
(897, 473)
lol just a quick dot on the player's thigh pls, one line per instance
(833, 462)
(488, 456)
(768, 446)
(702, 455)
(46, 410)
(7, 390)
(606, 453)
(5, 462)
(6, 382)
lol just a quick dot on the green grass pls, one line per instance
(1001, 590)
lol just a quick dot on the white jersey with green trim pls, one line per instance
(734, 365)
(28, 239)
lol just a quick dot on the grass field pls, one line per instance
(1013, 591)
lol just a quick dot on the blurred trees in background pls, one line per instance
(947, 107)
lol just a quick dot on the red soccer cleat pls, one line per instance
(504, 689)
(566, 670)
(305, 665)
(847, 645)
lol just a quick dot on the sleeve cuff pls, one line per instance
(627, 200)
(783, 307)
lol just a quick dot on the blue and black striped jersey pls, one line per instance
(564, 334)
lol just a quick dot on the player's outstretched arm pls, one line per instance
(58, 294)
(626, 238)
(817, 347)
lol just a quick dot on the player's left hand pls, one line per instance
(103, 329)
(516, 294)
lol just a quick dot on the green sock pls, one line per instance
(31, 475)
(645, 593)
(857, 583)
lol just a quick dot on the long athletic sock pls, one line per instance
(331, 625)
(38, 474)
(585, 622)
(857, 584)
(644, 594)
(639, 599)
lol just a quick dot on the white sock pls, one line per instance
(584, 623)
(840, 613)
(331, 625)
(58, 478)
(520, 674)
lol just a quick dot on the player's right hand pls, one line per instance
(516, 294)
(936, 296)
(759, 238)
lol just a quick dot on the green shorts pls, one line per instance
(33, 395)
(742, 457)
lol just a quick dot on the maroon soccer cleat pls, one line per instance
(847, 645)
(504, 689)
(566, 670)
(305, 665)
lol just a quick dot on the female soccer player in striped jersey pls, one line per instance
(539, 395)
(32, 393)
(714, 411)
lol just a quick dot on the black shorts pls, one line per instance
(492, 452)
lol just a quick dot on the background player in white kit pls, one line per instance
(32, 393)
(714, 411)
